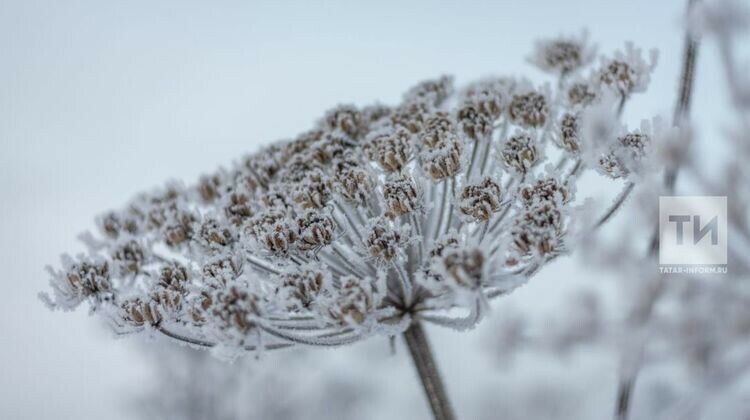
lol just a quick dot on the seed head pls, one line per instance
(479, 200)
(519, 152)
(401, 196)
(529, 109)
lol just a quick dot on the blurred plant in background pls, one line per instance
(686, 332)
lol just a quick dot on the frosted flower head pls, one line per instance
(346, 119)
(479, 200)
(431, 92)
(463, 268)
(81, 279)
(443, 158)
(315, 229)
(299, 290)
(562, 55)
(385, 241)
(528, 107)
(474, 123)
(236, 309)
(628, 154)
(581, 93)
(519, 152)
(537, 231)
(567, 133)
(354, 301)
(401, 196)
(489, 96)
(375, 217)
(627, 72)
(390, 148)
(545, 189)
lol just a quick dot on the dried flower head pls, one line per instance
(548, 189)
(519, 153)
(567, 135)
(338, 234)
(562, 55)
(390, 148)
(479, 200)
(627, 72)
(529, 109)
(401, 196)
(474, 123)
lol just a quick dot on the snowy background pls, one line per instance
(102, 99)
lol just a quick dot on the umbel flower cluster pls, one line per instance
(377, 217)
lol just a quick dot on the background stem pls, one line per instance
(421, 354)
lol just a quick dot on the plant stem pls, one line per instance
(421, 354)
(681, 114)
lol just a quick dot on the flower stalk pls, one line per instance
(421, 355)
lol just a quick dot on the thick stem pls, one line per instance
(421, 354)
(624, 389)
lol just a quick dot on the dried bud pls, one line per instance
(401, 196)
(213, 235)
(346, 119)
(568, 135)
(384, 242)
(173, 275)
(236, 308)
(112, 224)
(635, 143)
(529, 110)
(410, 116)
(390, 149)
(221, 270)
(237, 209)
(519, 152)
(83, 279)
(581, 94)
(315, 230)
(463, 268)
(353, 301)
(538, 230)
(620, 161)
(610, 165)
(438, 130)
(129, 256)
(562, 55)
(168, 301)
(276, 200)
(432, 92)
(354, 184)
(209, 187)
(627, 72)
(179, 228)
(544, 190)
(446, 243)
(329, 147)
(489, 96)
(375, 114)
(313, 191)
(474, 124)
(298, 291)
(138, 312)
(478, 201)
(443, 162)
